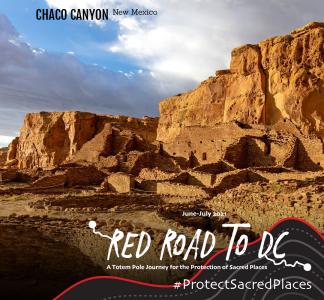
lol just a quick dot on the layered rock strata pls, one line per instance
(281, 78)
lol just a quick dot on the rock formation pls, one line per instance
(266, 110)
(281, 78)
(243, 144)
(3, 156)
(50, 139)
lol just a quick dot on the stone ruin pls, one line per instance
(263, 115)
(247, 143)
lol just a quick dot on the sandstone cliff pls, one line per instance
(48, 139)
(266, 110)
(281, 78)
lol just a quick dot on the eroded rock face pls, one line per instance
(48, 139)
(12, 149)
(3, 156)
(280, 78)
(207, 162)
(100, 145)
(266, 110)
(294, 67)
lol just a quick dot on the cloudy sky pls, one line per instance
(127, 64)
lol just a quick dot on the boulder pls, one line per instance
(119, 182)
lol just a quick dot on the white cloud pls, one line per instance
(33, 79)
(5, 140)
(184, 44)
(193, 38)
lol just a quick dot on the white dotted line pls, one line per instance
(319, 242)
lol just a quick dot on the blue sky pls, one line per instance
(82, 38)
(128, 64)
